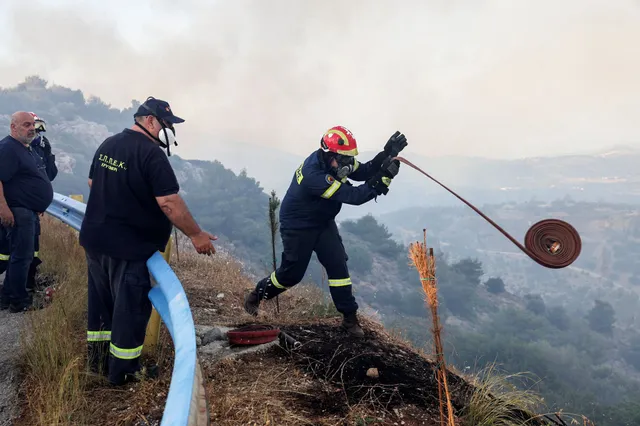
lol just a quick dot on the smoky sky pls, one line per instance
(487, 78)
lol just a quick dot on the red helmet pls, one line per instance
(340, 140)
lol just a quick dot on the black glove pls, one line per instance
(379, 159)
(396, 143)
(392, 170)
(46, 146)
(380, 182)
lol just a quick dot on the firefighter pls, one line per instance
(315, 196)
(42, 148)
(133, 202)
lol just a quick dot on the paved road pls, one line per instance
(10, 325)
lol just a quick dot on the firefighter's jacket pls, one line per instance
(315, 195)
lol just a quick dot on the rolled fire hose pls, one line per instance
(552, 243)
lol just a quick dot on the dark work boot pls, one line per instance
(146, 372)
(22, 306)
(31, 276)
(350, 324)
(4, 300)
(252, 302)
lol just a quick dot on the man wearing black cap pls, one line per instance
(132, 204)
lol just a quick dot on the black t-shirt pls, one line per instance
(123, 219)
(24, 183)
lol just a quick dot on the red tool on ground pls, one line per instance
(552, 243)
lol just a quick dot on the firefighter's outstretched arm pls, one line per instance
(365, 171)
(326, 186)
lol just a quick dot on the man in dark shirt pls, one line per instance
(25, 192)
(41, 147)
(132, 204)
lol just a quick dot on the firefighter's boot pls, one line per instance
(252, 303)
(252, 300)
(351, 325)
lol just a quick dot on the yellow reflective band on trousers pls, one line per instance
(340, 283)
(125, 353)
(98, 336)
(275, 282)
(7, 257)
(332, 189)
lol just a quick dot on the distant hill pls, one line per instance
(608, 176)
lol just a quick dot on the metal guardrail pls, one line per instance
(186, 403)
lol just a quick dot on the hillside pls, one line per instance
(329, 380)
(585, 360)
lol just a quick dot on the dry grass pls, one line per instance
(53, 339)
(204, 278)
(263, 389)
(497, 401)
(57, 388)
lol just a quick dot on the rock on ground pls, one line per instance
(10, 325)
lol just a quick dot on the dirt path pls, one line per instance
(9, 331)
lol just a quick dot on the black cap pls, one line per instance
(159, 108)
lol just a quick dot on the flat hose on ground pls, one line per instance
(253, 335)
(552, 243)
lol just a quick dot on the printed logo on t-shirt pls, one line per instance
(111, 164)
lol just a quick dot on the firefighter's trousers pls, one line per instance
(5, 255)
(298, 246)
(118, 312)
(18, 241)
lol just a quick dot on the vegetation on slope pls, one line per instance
(579, 365)
(63, 104)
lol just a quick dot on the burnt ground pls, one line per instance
(325, 381)
(403, 376)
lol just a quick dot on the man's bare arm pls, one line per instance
(6, 216)
(90, 181)
(176, 210)
(3, 201)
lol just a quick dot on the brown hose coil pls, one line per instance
(552, 243)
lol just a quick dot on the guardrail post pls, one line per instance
(153, 326)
